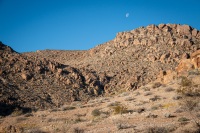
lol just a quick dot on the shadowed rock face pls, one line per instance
(51, 78)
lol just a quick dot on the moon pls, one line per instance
(127, 15)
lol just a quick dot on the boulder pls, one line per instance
(194, 32)
(26, 76)
(185, 65)
(184, 29)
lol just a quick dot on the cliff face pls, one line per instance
(51, 78)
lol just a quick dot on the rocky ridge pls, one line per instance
(133, 58)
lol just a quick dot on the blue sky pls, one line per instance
(30, 25)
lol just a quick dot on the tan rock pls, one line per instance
(150, 27)
(184, 29)
(52, 67)
(170, 76)
(136, 42)
(160, 26)
(185, 56)
(25, 76)
(186, 43)
(164, 57)
(194, 32)
(185, 65)
(166, 29)
(195, 54)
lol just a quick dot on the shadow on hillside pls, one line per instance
(6, 109)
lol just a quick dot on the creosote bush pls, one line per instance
(120, 109)
(78, 130)
(183, 120)
(185, 81)
(187, 88)
(96, 112)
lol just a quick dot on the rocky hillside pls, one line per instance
(31, 82)
(133, 58)
(52, 78)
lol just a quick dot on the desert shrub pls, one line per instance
(157, 130)
(169, 89)
(145, 88)
(140, 110)
(28, 115)
(78, 119)
(155, 98)
(17, 112)
(54, 110)
(155, 107)
(148, 93)
(96, 112)
(176, 97)
(124, 126)
(78, 130)
(185, 82)
(120, 109)
(137, 93)
(179, 110)
(35, 130)
(187, 88)
(189, 91)
(113, 104)
(198, 115)
(156, 85)
(191, 105)
(168, 105)
(129, 99)
(124, 94)
(194, 72)
(68, 108)
(183, 119)
(19, 119)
